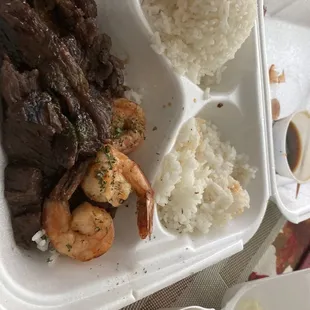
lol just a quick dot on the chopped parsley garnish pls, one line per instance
(69, 247)
(97, 229)
(117, 132)
(111, 159)
(99, 175)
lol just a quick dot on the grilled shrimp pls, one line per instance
(111, 178)
(86, 233)
(128, 125)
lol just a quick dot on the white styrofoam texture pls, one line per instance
(273, 293)
(133, 269)
(288, 47)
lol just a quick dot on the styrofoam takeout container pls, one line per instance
(285, 292)
(133, 269)
(287, 44)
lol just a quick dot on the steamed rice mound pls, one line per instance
(202, 181)
(200, 36)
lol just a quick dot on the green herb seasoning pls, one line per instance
(97, 229)
(99, 175)
(69, 247)
(117, 132)
(111, 159)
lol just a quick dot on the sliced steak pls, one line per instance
(31, 144)
(21, 209)
(115, 81)
(87, 135)
(97, 63)
(15, 87)
(54, 79)
(37, 43)
(89, 7)
(41, 48)
(74, 48)
(23, 189)
(35, 131)
(44, 5)
(57, 101)
(24, 227)
(75, 19)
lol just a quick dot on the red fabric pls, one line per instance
(305, 263)
(291, 245)
(256, 276)
(292, 249)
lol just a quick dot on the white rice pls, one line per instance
(43, 244)
(53, 258)
(200, 36)
(134, 96)
(38, 236)
(201, 182)
(41, 239)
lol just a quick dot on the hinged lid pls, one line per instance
(286, 45)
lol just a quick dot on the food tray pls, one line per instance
(133, 269)
(287, 44)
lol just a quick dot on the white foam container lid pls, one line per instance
(285, 292)
(287, 45)
(133, 269)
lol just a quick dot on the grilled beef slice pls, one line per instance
(23, 189)
(42, 49)
(56, 99)
(34, 130)
(80, 33)
(24, 227)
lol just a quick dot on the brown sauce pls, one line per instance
(297, 190)
(293, 146)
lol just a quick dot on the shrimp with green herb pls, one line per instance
(128, 125)
(112, 176)
(84, 234)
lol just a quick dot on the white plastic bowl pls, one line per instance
(285, 292)
(301, 119)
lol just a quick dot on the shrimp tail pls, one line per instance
(145, 210)
(145, 194)
(69, 182)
